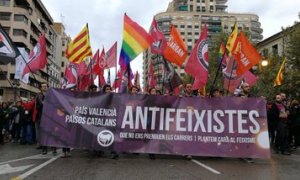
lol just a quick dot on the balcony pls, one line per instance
(256, 29)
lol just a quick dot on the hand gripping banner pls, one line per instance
(223, 127)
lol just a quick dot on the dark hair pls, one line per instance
(106, 86)
(134, 87)
(93, 86)
(149, 91)
(42, 84)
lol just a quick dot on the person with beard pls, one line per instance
(279, 116)
(245, 93)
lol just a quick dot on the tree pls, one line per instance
(292, 72)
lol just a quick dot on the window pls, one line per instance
(62, 64)
(12, 76)
(19, 32)
(3, 75)
(5, 16)
(1, 92)
(6, 29)
(191, 7)
(19, 17)
(5, 3)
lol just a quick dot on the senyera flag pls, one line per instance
(279, 77)
(8, 50)
(135, 41)
(175, 51)
(38, 57)
(197, 64)
(232, 40)
(79, 48)
(160, 42)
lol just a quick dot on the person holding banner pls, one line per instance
(188, 91)
(134, 90)
(108, 89)
(39, 103)
(152, 91)
(245, 93)
(67, 151)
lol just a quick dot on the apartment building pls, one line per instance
(189, 17)
(24, 21)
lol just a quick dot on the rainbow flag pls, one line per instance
(135, 41)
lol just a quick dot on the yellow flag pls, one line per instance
(80, 47)
(231, 42)
(279, 78)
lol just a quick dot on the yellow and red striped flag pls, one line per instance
(80, 47)
(279, 78)
(231, 42)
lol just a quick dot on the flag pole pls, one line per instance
(167, 67)
(116, 69)
(230, 77)
(217, 73)
(128, 76)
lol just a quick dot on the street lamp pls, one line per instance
(264, 63)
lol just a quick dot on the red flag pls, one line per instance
(81, 68)
(231, 79)
(160, 42)
(246, 55)
(38, 57)
(98, 67)
(101, 80)
(117, 82)
(175, 51)
(111, 57)
(84, 82)
(94, 59)
(71, 75)
(197, 64)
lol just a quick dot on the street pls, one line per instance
(25, 162)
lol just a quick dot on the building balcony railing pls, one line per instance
(256, 29)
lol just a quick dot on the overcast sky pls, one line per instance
(105, 17)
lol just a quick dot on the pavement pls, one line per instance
(26, 162)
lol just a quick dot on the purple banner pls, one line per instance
(224, 127)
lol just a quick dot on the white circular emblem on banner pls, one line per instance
(105, 138)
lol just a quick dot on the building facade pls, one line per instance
(189, 17)
(61, 46)
(276, 45)
(24, 21)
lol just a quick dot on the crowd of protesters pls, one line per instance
(20, 121)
